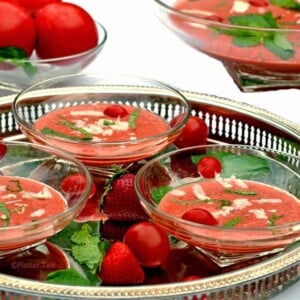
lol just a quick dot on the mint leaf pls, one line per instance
(292, 4)
(17, 57)
(71, 125)
(280, 46)
(50, 131)
(158, 193)
(63, 238)
(231, 223)
(133, 117)
(87, 249)
(247, 37)
(242, 166)
(68, 276)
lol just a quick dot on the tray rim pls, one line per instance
(268, 267)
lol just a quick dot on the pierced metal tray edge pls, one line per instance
(256, 112)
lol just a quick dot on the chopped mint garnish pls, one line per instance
(231, 223)
(71, 125)
(50, 131)
(133, 117)
(273, 218)
(108, 123)
(17, 57)
(240, 192)
(6, 212)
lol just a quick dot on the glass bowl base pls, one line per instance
(223, 260)
(255, 80)
(6, 253)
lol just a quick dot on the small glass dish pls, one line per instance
(83, 96)
(256, 41)
(16, 75)
(44, 169)
(236, 237)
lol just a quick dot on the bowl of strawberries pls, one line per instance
(45, 39)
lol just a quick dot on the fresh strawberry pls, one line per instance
(121, 203)
(120, 267)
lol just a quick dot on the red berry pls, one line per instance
(200, 216)
(149, 243)
(209, 167)
(194, 132)
(115, 111)
(119, 266)
(122, 203)
(76, 184)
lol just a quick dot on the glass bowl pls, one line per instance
(258, 44)
(78, 102)
(249, 223)
(19, 74)
(45, 169)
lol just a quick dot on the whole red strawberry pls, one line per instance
(122, 203)
(120, 267)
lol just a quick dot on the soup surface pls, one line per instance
(23, 200)
(95, 123)
(234, 203)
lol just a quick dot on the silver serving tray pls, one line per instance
(229, 121)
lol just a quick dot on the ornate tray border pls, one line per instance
(259, 281)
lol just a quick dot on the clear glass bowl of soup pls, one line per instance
(247, 209)
(256, 41)
(35, 201)
(102, 119)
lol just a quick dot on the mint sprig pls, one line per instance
(247, 37)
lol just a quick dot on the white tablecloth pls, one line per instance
(139, 44)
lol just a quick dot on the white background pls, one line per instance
(139, 44)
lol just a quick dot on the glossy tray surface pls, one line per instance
(231, 122)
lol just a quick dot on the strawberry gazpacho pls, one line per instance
(24, 200)
(101, 123)
(235, 203)
(104, 133)
(229, 39)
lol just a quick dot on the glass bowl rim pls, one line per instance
(69, 210)
(102, 40)
(196, 19)
(37, 133)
